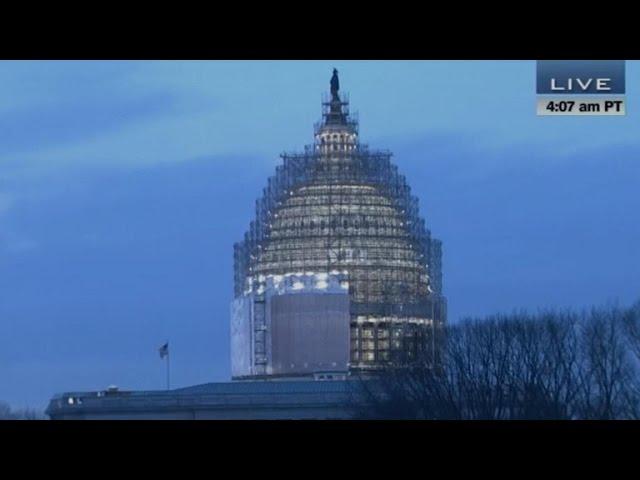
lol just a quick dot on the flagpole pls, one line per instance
(168, 368)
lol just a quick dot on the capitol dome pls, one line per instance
(340, 214)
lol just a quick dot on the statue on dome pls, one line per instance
(335, 86)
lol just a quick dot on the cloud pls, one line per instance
(55, 115)
(38, 128)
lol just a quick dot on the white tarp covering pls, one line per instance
(241, 341)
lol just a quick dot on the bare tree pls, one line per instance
(553, 365)
(631, 320)
(6, 413)
(609, 376)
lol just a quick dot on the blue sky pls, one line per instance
(123, 186)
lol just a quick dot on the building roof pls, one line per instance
(237, 395)
(286, 387)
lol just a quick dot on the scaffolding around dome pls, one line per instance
(339, 207)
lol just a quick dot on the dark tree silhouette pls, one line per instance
(6, 413)
(553, 365)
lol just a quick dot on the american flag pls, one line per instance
(164, 350)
